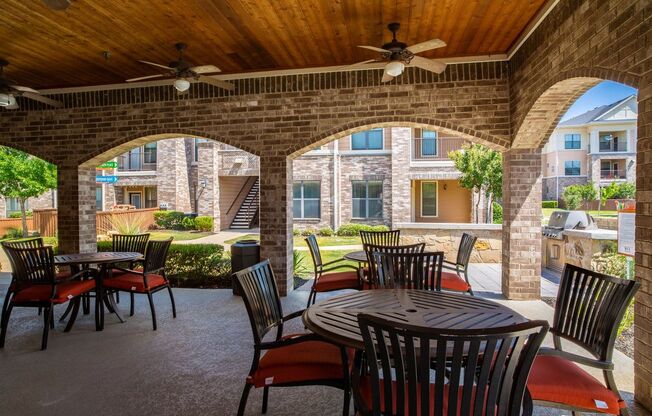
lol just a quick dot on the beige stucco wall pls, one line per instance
(453, 202)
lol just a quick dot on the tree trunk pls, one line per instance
(490, 210)
(23, 215)
(477, 206)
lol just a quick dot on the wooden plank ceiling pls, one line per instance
(49, 49)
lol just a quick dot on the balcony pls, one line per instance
(238, 163)
(137, 162)
(610, 174)
(613, 142)
(432, 150)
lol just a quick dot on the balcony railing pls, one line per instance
(613, 174)
(136, 162)
(434, 149)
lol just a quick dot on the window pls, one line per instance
(150, 197)
(367, 140)
(196, 149)
(99, 198)
(306, 197)
(428, 199)
(150, 152)
(367, 199)
(429, 143)
(572, 141)
(606, 142)
(13, 205)
(572, 168)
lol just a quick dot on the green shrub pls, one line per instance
(298, 264)
(326, 232)
(353, 230)
(14, 233)
(204, 223)
(615, 190)
(188, 223)
(575, 195)
(497, 213)
(309, 231)
(18, 214)
(296, 232)
(193, 265)
(170, 220)
(549, 204)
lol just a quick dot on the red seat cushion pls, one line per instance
(558, 380)
(337, 281)
(63, 275)
(365, 392)
(65, 292)
(133, 282)
(453, 281)
(301, 362)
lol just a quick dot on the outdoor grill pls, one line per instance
(567, 220)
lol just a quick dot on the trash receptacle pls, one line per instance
(244, 253)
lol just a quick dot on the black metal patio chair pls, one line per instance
(129, 243)
(458, 278)
(408, 270)
(369, 274)
(588, 312)
(484, 371)
(381, 238)
(288, 360)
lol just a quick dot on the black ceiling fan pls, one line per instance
(9, 90)
(399, 55)
(182, 73)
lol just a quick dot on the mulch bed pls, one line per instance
(624, 343)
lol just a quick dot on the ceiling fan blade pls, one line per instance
(40, 98)
(23, 89)
(205, 69)
(358, 64)
(216, 82)
(11, 107)
(386, 77)
(143, 78)
(373, 48)
(158, 65)
(429, 65)
(427, 45)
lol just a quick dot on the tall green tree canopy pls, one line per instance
(23, 176)
(482, 171)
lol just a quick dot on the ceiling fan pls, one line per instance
(184, 72)
(401, 55)
(9, 90)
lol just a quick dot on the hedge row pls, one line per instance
(177, 220)
(193, 265)
(346, 230)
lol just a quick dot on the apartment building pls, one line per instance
(597, 146)
(379, 176)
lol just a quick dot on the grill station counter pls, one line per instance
(555, 239)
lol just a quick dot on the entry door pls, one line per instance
(134, 199)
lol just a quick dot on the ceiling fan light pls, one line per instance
(394, 68)
(6, 100)
(181, 84)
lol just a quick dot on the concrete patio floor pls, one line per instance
(193, 365)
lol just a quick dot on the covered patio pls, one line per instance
(511, 71)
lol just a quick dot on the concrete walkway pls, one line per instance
(193, 365)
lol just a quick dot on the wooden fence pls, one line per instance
(45, 220)
(7, 224)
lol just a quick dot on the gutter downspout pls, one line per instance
(336, 185)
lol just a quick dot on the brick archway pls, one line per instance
(31, 151)
(331, 134)
(124, 144)
(555, 98)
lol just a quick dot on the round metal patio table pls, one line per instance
(359, 256)
(336, 318)
(104, 260)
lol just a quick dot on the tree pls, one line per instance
(23, 176)
(575, 195)
(482, 172)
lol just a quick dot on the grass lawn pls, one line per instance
(299, 241)
(178, 235)
(548, 211)
(305, 268)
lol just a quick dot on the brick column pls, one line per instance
(76, 210)
(208, 170)
(643, 306)
(276, 217)
(521, 277)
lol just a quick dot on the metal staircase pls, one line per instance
(247, 215)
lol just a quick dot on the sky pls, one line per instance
(605, 92)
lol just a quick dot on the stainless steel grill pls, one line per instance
(567, 220)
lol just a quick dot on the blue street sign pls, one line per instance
(106, 179)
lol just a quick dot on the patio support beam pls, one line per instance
(276, 217)
(76, 209)
(643, 305)
(521, 272)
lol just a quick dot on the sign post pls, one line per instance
(627, 237)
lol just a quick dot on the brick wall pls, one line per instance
(316, 168)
